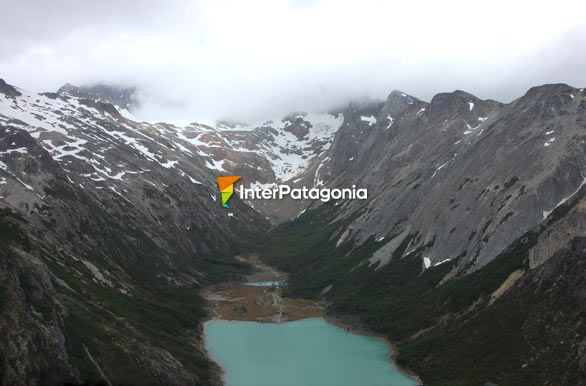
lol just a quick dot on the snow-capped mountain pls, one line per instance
(102, 146)
(110, 227)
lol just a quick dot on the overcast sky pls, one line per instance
(250, 59)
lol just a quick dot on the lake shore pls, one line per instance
(356, 328)
(241, 301)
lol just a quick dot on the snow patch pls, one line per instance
(426, 262)
(20, 150)
(193, 180)
(470, 129)
(370, 119)
(169, 164)
(441, 262)
(215, 165)
(390, 121)
(549, 142)
(546, 213)
(439, 168)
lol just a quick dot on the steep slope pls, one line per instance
(462, 176)
(75, 122)
(518, 320)
(469, 252)
(265, 154)
(106, 241)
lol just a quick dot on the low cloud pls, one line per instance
(206, 60)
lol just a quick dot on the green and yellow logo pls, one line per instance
(226, 185)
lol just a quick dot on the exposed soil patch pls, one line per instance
(239, 301)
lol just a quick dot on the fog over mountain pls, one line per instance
(209, 60)
(465, 122)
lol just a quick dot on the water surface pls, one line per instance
(268, 283)
(310, 352)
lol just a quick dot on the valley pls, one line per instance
(251, 319)
(468, 254)
(258, 297)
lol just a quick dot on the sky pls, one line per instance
(250, 60)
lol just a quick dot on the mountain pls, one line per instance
(468, 253)
(458, 177)
(123, 97)
(109, 229)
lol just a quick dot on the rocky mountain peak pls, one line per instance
(457, 99)
(397, 102)
(549, 90)
(297, 125)
(455, 103)
(8, 90)
(120, 96)
(549, 101)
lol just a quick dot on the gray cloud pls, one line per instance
(249, 60)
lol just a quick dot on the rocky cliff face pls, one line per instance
(461, 177)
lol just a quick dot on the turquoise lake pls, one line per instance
(310, 352)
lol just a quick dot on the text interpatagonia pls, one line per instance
(323, 194)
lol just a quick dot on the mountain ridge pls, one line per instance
(111, 227)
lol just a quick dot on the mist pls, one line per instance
(256, 60)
